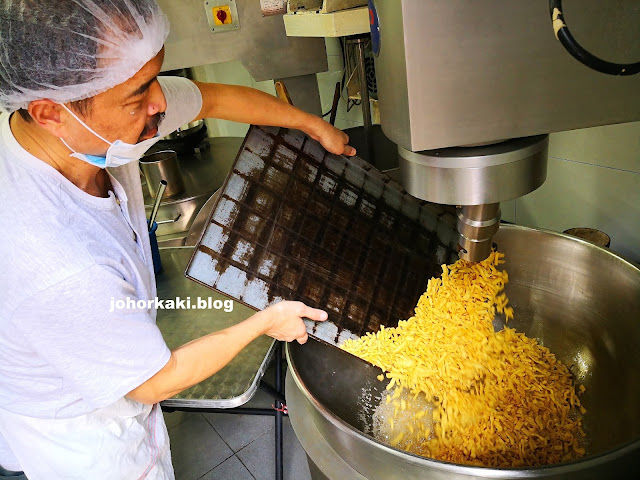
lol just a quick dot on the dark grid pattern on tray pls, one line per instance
(295, 222)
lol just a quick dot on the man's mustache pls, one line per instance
(152, 124)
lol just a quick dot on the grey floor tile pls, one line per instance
(196, 448)
(174, 419)
(258, 456)
(230, 469)
(238, 431)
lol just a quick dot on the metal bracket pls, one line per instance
(169, 221)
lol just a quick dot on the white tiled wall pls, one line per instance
(593, 181)
(231, 73)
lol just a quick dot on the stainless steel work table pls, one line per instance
(236, 383)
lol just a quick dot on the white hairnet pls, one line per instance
(68, 50)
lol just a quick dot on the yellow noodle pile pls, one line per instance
(499, 399)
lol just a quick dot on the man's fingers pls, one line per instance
(316, 314)
(349, 151)
(303, 339)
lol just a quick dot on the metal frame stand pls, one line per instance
(278, 412)
(360, 41)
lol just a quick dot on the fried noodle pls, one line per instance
(499, 399)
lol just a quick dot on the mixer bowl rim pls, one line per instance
(492, 472)
(603, 250)
(538, 471)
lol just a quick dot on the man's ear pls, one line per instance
(49, 115)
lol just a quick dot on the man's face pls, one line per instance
(130, 111)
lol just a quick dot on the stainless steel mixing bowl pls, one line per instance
(579, 300)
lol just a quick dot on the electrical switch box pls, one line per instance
(222, 15)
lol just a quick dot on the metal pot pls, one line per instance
(162, 165)
(202, 174)
(579, 300)
(186, 130)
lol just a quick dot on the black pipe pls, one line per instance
(583, 56)
(264, 386)
(232, 411)
(278, 410)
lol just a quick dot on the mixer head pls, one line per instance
(477, 179)
(449, 76)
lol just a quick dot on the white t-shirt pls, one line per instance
(67, 362)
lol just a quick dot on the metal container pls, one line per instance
(186, 130)
(162, 166)
(203, 174)
(579, 300)
(597, 237)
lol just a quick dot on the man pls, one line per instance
(80, 386)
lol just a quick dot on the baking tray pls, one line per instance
(295, 222)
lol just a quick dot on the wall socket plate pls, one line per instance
(210, 7)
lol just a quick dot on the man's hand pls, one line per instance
(284, 320)
(194, 361)
(248, 105)
(331, 138)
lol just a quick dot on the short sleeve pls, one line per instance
(100, 351)
(184, 103)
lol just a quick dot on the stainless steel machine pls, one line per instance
(469, 91)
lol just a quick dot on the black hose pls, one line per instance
(573, 47)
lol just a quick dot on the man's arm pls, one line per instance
(199, 359)
(248, 105)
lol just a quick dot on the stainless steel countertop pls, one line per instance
(236, 383)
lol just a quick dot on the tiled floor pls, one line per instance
(232, 447)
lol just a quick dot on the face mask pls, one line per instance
(119, 153)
